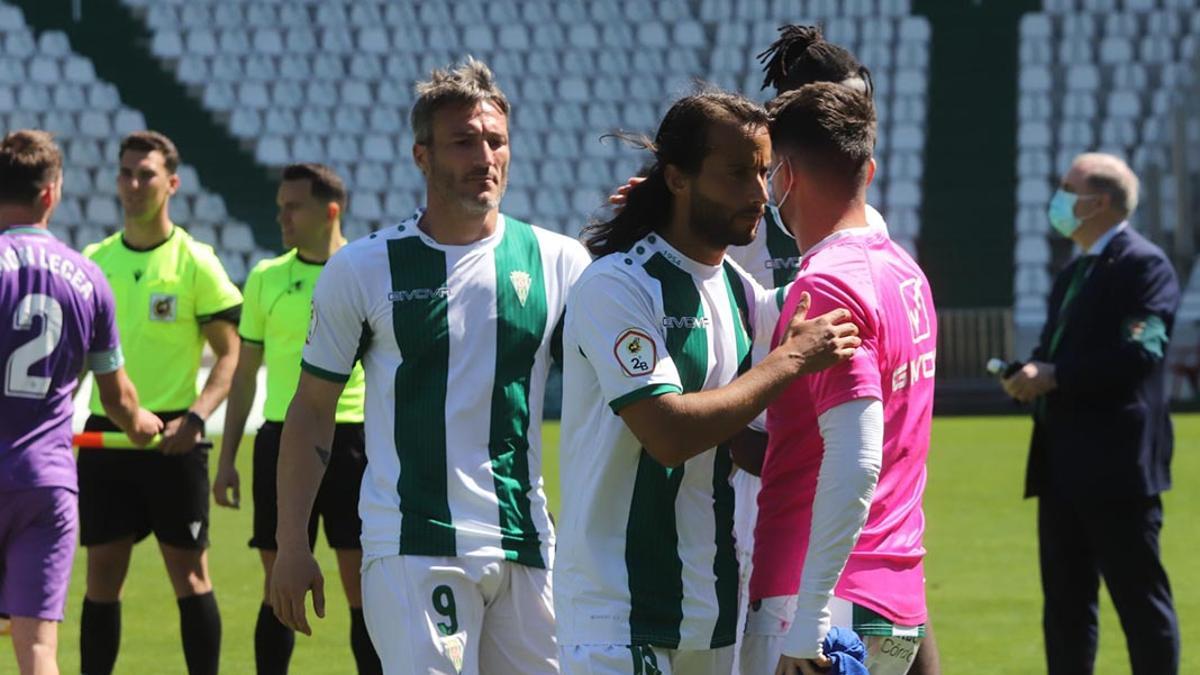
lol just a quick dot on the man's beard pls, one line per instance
(446, 183)
(715, 225)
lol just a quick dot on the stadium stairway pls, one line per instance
(117, 42)
(966, 223)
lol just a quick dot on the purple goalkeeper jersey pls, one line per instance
(57, 317)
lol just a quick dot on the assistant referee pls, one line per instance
(172, 296)
(273, 328)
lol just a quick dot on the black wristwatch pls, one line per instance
(193, 418)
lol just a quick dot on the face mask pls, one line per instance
(1062, 213)
(771, 181)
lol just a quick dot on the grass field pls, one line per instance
(982, 569)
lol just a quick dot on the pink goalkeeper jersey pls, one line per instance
(888, 295)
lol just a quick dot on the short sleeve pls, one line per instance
(614, 325)
(215, 293)
(335, 327)
(766, 307)
(854, 379)
(104, 351)
(252, 324)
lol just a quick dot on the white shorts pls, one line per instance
(459, 616)
(644, 660)
(890, 648)
(746, 487)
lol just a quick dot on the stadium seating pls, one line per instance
(43, 84)
(1096, 75)
(887, 38)
(333, 82)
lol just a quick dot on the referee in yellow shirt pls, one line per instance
(172, 296)
(273, 329)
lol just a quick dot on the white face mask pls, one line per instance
(771, 182)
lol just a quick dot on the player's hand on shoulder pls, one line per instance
(793, 666)
(619, 198)
(295, 572)
(818, 343)
(146, 425)
(180, 436)
(227, 486)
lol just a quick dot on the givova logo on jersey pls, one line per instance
(915, 309)
(419, 294)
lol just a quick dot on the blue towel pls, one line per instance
(846, 650)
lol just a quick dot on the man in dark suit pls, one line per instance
(1102, 440)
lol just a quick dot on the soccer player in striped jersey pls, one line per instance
(454, 313)
(840, 522)
(59, 320)
(275, 315)
(657, 379)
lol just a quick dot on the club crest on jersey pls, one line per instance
(162, 307)
(419, 294)
(915, 309)
(521, 281)
(636, 353)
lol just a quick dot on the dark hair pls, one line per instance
(29, 160)
(682, 141)
(802, 56)
(828, 127)
(469, 84)
(325, 184)
(149, 141)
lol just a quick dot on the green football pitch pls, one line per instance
(982, 568)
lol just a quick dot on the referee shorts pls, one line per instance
(337, 498)
(135, 492)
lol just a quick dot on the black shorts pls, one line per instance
(337, 498)
(136, 492)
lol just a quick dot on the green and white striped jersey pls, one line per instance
(646, 553)
(456, 344)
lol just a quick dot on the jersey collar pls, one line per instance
(864, 231)
(28, 229)
(695, 268)
(170, 236)
(411, 226)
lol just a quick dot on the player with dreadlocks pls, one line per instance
(656, 379)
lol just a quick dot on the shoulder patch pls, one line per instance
(636, 352)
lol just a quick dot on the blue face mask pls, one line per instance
(1062, 212)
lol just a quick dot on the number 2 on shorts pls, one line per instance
(443, 603)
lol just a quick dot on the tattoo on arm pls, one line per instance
(322, 454)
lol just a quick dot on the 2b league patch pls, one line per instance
(636, 353)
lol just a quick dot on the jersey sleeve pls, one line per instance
(860, 376)
(252, 324)
(215, 293)
(614, 326)
(335, 328)
(104, 351)
(852, 433)
(575, 259)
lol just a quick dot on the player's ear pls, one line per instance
(677, 181)
(420, 153)
(173, 182)
(870, 172)
(333, 211)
